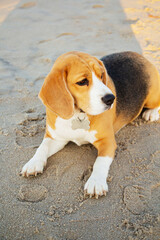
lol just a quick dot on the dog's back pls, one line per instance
(132, 75)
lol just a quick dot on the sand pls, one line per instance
(52, 206)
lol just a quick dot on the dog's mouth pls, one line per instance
(81, 110)
(106, 103)
(105, 108)
(108, 107)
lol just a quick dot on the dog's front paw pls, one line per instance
(33, 167)
(96, 186)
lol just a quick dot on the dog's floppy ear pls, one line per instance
(55, 94)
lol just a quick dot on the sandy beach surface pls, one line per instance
(52, 206)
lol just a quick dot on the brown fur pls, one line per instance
(61, 95)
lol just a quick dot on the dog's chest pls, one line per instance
(75, 129)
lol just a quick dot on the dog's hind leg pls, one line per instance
(151, 114)
(152, 102)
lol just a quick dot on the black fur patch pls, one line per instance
(131, 80)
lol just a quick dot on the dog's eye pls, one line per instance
(83, 82)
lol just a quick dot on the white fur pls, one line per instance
(151, 114)
(63, 131)
(62, 134)
(47, 148)
(97, 91)
(96, 184)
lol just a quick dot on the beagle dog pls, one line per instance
(89, 100)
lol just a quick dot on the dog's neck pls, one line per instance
(80, 120)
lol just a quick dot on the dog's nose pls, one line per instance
(108, 99)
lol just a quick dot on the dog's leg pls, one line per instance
(152, 101)
(36, 164)
(96, 184)
(151, 114)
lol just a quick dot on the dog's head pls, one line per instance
(76, 80)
